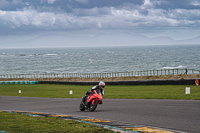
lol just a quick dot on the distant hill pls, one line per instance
(117, 39)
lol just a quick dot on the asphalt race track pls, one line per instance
(181, 115)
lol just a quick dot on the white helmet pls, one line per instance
(102, 84)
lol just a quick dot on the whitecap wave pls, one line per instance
(180, 66)
(51, 54)
(91, 60)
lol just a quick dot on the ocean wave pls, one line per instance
(28, 54)
(21, 55)
(91, 60)
(109, 52)
(35, 54)
(180, 66)
(51, 54)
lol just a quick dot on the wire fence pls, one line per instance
(105, 75)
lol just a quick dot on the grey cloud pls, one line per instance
(51, 1)
(195, 3)
(92, 11)
(10, 5)
(179, 4)
(65, 4)
(95, 14)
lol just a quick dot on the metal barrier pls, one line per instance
(18, 82)
(104, 75)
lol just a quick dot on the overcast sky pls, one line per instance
(178, 19)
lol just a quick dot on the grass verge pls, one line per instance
(15, 123)
(111, 91)
(180, 76)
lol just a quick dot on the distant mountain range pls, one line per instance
(118, 39)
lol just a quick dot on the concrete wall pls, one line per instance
(137, 82)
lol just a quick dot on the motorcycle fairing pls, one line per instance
(94, 96)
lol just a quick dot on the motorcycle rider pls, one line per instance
(100, 86)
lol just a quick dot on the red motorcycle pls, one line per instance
(93, 100)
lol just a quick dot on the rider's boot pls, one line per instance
(87, 105)
(83, 99)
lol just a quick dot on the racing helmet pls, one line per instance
(102, 84)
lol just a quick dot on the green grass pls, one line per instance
(18, 123)
(24, 123)
(155, 92)
(123, 91)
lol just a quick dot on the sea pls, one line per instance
(98, 59)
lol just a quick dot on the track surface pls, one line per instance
(181, 115)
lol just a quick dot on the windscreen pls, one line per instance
(98, 91)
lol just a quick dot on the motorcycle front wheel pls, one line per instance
(82, 107)
(93, 106)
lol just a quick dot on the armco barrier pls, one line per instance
(136, 82)
(18, 82)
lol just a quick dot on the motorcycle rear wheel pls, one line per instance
(93, 106)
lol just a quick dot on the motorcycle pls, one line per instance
(93, 100)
